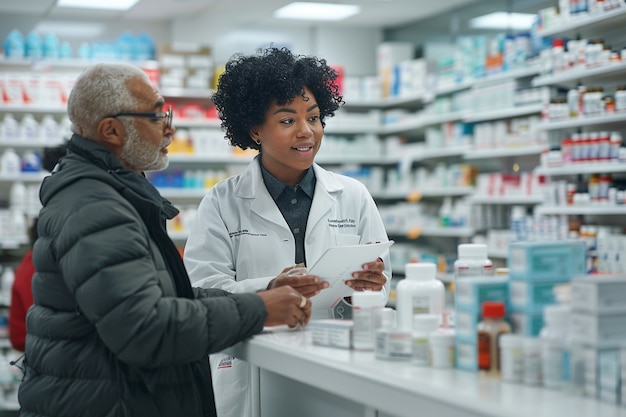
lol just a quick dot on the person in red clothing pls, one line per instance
(21, 291)
(22, 295)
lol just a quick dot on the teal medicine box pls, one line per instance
(546, 261)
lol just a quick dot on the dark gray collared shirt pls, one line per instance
(294, 204)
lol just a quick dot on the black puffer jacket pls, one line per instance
(116, 329)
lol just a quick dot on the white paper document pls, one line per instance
(337, 264)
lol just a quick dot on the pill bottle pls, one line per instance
(441, 348)
(553, 335)
(511, 358)
(420, 292)
(423, 326)
(489, 329)
(367, 307)
(472, 261)
(394, 344)
(532, 361)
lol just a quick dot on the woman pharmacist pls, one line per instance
(283, 209)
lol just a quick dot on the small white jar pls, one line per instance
(441, 345)
(512, 358)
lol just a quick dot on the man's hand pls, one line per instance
(285, 305)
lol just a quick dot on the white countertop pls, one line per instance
(404, 390)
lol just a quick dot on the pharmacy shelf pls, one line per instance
(582, 168)
(593, 210)
(25, 144)
(496, 114)
(209, 158)
(29, 108)
(337, 159)
(350, 129)
(406, 101)
(13, 243)
(436, 231)
(528, 71)
(604, 119)
(418, 194)
(418, 122)
(612, 71)
(512, 200)
(182, 193)
(24, 177)
(436, 153)
(186, 93)
(43, 64)
(578, 25)
(493, 153)
(453, 88)
(208, 123)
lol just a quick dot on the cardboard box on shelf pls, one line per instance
(185, 65)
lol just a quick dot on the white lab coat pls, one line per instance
(240, 242)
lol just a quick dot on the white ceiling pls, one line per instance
(379, 13)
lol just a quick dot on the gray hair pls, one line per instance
(100, 91)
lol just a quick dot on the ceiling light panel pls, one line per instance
(317, 11)
(98, 4)
(503, 20)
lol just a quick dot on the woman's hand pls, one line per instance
(370, 278)
(296, 277)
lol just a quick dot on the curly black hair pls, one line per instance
(250, 84)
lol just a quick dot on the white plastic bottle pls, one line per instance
(50, 130)
(420, 292)
(10, 129)
(17, 196)
(423, 326)
(553, 336)
(29, 129)
(473, 261)
(10, 162)
(367, 308)
(6, 282)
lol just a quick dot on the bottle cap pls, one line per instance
(473, 250)
(368, 299)
(494, 309)
(420, 271)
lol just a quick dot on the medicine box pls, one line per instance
(471, 292)
(598, 330)
(599, 294)
(526, 322)
(529, 295)
(546, 261)
(333, 333)
(466, 355)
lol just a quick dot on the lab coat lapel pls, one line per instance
(324, 199)
(252, 188)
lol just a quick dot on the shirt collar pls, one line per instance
(276, 186)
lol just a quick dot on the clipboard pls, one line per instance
(337, 265)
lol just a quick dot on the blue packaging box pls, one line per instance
(471, 292)
(529, 295)
(546, 261)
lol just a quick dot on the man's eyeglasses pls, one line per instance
(167, 116)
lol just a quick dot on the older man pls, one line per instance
(116, 328)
